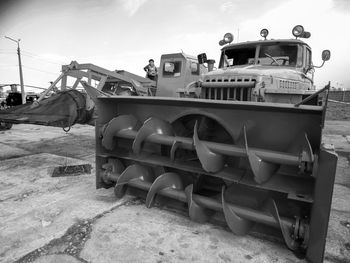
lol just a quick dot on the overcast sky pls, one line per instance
(124, 34)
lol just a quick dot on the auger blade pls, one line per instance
(211, 161)
(307, 153)
(271, 207)
(167, 180)
(132, 173)
(301, 146)
(262, 170)
(113, 168)
(113, 165)
(237, 224)
(151, 126)
(173, 149)
(117, 124)
(196, 212)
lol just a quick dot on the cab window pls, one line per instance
(279, 55)
(308, 61)
(194, 68)
(172, 69)
(237, 56)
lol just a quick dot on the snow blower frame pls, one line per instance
(257, 166)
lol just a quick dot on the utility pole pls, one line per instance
(20, 68)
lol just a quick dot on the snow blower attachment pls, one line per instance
(258, 167)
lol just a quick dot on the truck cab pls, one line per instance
(263, 71)
(176, 71)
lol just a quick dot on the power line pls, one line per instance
(36, 69)
(29, 86)
(33, 57)
(36, 87)
(48, 61)
(29, 54)
(39, 56)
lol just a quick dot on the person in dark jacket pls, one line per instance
(151, 70)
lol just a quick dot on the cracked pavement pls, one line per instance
(65, 219)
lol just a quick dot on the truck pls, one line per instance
(278, 71)
(239, 145)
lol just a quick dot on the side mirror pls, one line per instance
(326, 55)
(202, 58)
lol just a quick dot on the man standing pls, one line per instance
(151, 70)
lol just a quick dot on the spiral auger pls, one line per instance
(151, 128)
(201, 208)
(212, 160)
(163, 182)
(196, 212)
(263, 163)
(238, 224)
(132, 174)
(124, 124)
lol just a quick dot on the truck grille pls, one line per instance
(224, 88)
(288, 84)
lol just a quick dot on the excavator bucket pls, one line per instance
(258, 167)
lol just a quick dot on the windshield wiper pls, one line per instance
(274, 60)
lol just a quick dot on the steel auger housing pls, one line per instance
(257, 167)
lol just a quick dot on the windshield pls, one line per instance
(238, 56)
(275, 54)
(278, 55)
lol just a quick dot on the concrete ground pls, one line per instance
(65, 219)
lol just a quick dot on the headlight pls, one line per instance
(264, 32)
(222, 42)
(228, 38)
(298, 31)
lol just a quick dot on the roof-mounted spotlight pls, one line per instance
(306, 34)
(264, 33)
(222, 42)
(228, 38)
(298, 31)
